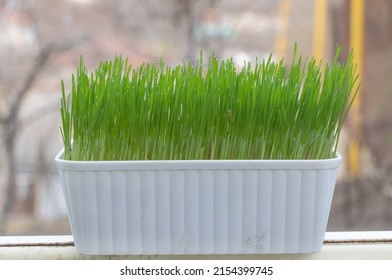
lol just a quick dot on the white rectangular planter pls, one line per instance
(198, 207)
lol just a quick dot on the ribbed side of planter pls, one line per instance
(186, 211)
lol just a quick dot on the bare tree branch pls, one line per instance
(9, 124)
(41, 60)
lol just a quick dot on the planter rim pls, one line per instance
(195, 164)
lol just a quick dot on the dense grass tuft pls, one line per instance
(155, 112)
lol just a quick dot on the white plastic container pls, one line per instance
(198, 207)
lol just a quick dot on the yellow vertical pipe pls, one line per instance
(356, 42)
(319, 30)
(283, 23)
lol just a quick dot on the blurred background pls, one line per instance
(41, 42)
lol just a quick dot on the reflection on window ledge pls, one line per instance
(337, 245)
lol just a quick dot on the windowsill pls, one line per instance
(337, 245)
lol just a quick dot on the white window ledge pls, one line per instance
(337, 245)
